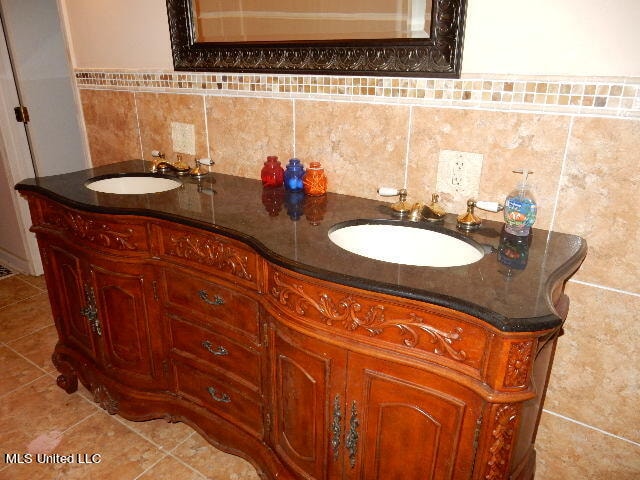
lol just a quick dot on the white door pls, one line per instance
(33, 50)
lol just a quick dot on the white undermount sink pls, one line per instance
(132, 184)
(391, 241)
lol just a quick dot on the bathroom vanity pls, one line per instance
(228, 308)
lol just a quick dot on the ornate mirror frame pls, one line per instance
(440, 55)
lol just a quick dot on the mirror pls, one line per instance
(417, 38)
(303, 20)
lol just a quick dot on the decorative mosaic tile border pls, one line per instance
(573, 95)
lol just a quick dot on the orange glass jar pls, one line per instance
(315, 180)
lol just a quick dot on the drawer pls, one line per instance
(216, 351)
(215, 253)
(96, 231)
(221, 396)
(212, 303)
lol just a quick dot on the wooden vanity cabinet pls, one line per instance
(103, 304)
(342, 414)
(306, 378)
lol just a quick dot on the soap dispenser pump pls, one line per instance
(520, 208)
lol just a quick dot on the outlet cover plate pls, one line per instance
(459, 175)
(183, 137)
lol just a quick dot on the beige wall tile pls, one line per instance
(112, 129)
(156, 113)
(507, 140)
(361, 146)
(244, 131)
(595, 377)
(568, 451)
(597, 199)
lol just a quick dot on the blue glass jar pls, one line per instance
(293, 176)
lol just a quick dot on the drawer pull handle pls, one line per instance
(220, 350)
(336, 428)
(224, 398)
(351, 440)
(90, 312)
(205, 297)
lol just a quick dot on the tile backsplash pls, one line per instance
(580, 135)
(620, 97)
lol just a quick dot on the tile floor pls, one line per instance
(36, 416)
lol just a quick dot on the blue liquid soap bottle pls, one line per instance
(520, 208)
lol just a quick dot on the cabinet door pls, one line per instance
(128, 313)
(308, 411)
(70, 293)
(407, 423)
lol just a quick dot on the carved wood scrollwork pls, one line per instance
(502, 437)
(101, 234)
(518, 364)
(103, 397)
(348, 312)
(210, 252)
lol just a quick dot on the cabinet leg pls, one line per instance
(67, 380)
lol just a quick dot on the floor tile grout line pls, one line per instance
(150, 467)
(27, 358)
(52, 324)
(23, 385)
(166, 452)
(19, 277)
(31, 297)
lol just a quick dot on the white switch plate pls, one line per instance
(183, 136)
(459, 175)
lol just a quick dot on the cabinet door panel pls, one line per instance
(410, 428)
(66, 288)
(309, 376)
(122, 312)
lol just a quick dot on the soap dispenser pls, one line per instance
(520, 207)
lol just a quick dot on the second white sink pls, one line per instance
(393, 242)
(132, 184)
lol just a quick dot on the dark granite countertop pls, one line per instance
(509, 287)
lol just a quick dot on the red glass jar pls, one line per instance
(272, 173)
(315, 180)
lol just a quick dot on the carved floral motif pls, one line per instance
(210, 252)
(95, 232)
(349, 313)
(103, 398)
(518, 364)
(502, 441)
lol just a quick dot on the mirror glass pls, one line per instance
(295, 20)
(410, 38)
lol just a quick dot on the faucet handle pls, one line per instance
(470, 221)
(204, 161)
(489, 206)
(401, 206)
(391, 192)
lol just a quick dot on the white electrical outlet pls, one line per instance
(459, 174)
(183, 136)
